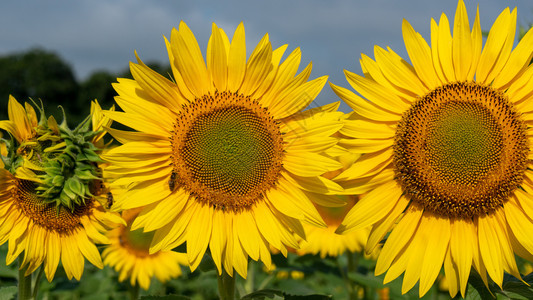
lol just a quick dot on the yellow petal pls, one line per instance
(477, 44)
(372, 207)
(420, 55)
(518, 61)
(489, 246)
(72, 260)
(435, 51)
(462, 43)
(161, 90)
(316, 184)
(258, 67)
(366, 146)
(163, 212)
(298, 99)
(398, 238)
(445, 48)
(17, 115)
(376, 93)
(437, 242)
(369, 164)
(300, 200)
(372, 69)
(178, 79)
(398, 71)
(309, 164)
(237, 59)
(217, 243)
(144, 193)
(520, 224)
(199, 234)
(248, 233)
(366, 129)
(285, 74)
(89, 250)
(361, 185)
(363, 107)
(382, 227)
(139, 123)
(452, 277)
(189, 61)
(53, 254)
(497, 47)
(267, 224)
(217, 59)
(461, 249)
(266, 83)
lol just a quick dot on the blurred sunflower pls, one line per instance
(325, 241)
(128, 254)
(223, 155)
(50, 192)
(446, 153)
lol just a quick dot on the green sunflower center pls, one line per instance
(227, 151)
(138, 240)
(461, 150)
(48, 215)
(463, 142)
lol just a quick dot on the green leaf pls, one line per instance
(167, 297)
(477, 289)
(275, 294)
(368, 280)
(308, 297)
(264, 294)
(517, 290)
(87, 174)
(8, 293)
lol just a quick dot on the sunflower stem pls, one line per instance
(347, 281)
(134, 292)
(24, 285)
(37, 282)
(226, 286)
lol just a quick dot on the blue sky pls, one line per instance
(96, 34)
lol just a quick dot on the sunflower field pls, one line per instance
(220, 180)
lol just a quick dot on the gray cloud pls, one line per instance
(98, 34)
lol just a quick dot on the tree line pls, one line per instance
(42, 74)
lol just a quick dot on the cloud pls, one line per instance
(98, 34)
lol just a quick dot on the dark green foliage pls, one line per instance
(39, 74)
(43, 74)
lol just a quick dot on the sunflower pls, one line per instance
(325, 241)
(50, 192)
(129, 255)
(445, 146)
(223, 155)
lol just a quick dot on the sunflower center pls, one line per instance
(227, 151)
(461, 150)
(48, 215)
(138, 240)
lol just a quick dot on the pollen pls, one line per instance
(461, 150)
(227, 151)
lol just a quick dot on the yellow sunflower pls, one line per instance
(223, 155)
(129, 255)
(445, 146)
(50, 193)
(325, 241)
